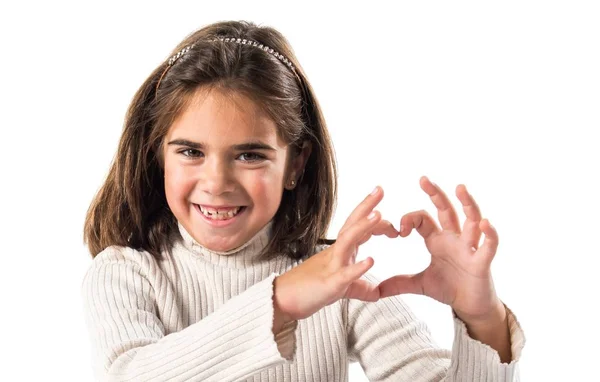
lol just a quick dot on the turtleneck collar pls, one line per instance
(239, 257)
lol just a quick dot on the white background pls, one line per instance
(503, 97)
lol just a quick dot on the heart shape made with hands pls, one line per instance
(459, 272)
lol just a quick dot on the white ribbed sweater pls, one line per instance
(200, 315)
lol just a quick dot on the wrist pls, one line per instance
(492, 329)
(496, 318)
(280, 316)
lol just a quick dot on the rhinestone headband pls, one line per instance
(242, 41)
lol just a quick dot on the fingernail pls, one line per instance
(371, 215)
(375, 190)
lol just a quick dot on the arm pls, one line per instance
(391, 344)
(493, 330)
(129, 340)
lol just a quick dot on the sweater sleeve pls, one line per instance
(129, 341)
(391, 344)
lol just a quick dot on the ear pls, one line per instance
(298, 162)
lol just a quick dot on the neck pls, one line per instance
(240, 257)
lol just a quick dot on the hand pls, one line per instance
(459, 273)
(332, 273)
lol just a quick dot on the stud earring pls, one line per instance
(291, 184)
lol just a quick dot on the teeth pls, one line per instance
(219, 214)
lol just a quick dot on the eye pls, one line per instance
(191, 153)
(251, 157)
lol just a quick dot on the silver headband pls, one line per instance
(242, 41)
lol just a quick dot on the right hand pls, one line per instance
(332, 274)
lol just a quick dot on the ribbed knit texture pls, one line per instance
(199, 315)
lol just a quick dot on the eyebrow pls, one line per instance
(253, 145)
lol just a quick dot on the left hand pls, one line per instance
(459, 273)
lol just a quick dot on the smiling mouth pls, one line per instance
(220, 213)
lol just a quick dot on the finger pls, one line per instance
(364, 208)
(348, 241)
(419, 220)
(490, 242)
(363, 290)
(446, 212)
(401, 284)
(353, 272)
(471, 232)
(384, 227)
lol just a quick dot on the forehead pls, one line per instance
(218, 118)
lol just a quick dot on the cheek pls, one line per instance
(266, 187)
(266, 181)
(178, 183)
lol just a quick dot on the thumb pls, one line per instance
(353, 272)
(401, 284)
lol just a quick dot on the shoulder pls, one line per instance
(316, 249)
(120, 280)
(320, 247)
(115, 255)
(116, 259)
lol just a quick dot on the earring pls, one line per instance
(291, 185)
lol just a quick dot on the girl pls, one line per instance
(210, 262)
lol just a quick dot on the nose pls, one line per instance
(216, 177)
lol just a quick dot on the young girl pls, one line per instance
(210, 262)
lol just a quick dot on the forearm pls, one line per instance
(493, 331)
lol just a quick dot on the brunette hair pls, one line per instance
(130, 208)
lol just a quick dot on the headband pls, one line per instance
(242, 41)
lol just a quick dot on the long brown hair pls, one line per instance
(130, 209)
